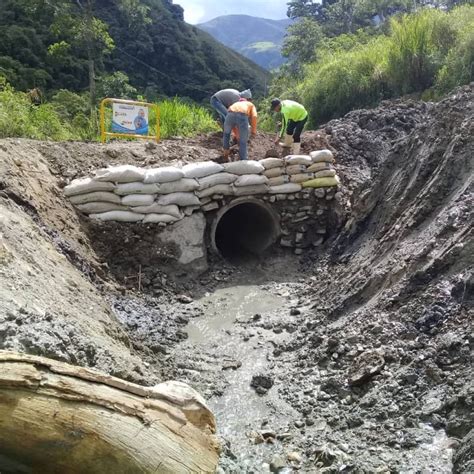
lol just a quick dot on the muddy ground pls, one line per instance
(355, 357)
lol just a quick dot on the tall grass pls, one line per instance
(65, 117)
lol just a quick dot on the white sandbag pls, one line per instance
(183, 185)
(321, 165)
(224, 189)
(180, 199)
(119, 216)
(298, 160)
(199, 170)
(120, 174)
(273, 172)
(155, 218)
(155, 208)
(325, 174)
(166, 174)
(248, 190)
(285, 188)
(215, 179)
(99, 196)
(279, 180)
(296, 169)
(322, 155)
(269, 163)
(301, 178)
(87, 185)
(138, 199)
(250, 180)
(98, 207)
(137, 187)
(244, 167)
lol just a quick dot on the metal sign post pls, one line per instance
(130, 119)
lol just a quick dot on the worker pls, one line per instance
(238, 116)
(294, 117)
(223, 99)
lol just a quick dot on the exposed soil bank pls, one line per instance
(363, 366)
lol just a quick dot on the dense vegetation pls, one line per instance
(339, 63)
(66, 117)
(52, 44)
(258, 39)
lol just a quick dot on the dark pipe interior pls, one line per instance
(245, 230)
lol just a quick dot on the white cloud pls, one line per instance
(198, 11)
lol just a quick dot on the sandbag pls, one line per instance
(224, 189)
(322, 182)
(137, 187)
(325, 174)
(322, 155)
(199, 170)
(279, 180)
(98, 207)
(273, 172)
(87, 185)
(244, 167)
(138, 199)
(296, 169)
(119, 216)
(250, 180)
(298, 160)
(155, 208)
(215, 179)
(180, 199)
(248, 190)
(300, 178)
(269, 163)
(167, 174)
(182, 185)
(120, 174)
(285, 188)
(321, 165)
(99, 196)
(155, 218)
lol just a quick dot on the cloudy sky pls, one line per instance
(198, 11)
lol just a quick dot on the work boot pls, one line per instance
(296, 148)
(287, 141)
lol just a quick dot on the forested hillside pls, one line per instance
(49, 44)
(258, 39)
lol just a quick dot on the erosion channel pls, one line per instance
(352, 354)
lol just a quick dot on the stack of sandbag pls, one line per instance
(322, 167)
(250, 179)
(285, 175)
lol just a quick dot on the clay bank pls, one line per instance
(175, 218)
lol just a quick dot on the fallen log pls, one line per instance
(59, 418)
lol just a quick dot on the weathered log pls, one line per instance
(59, 418)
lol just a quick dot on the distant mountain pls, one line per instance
(258, 39)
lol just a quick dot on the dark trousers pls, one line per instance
(295, 129)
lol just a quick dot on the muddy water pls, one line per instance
(240, 410)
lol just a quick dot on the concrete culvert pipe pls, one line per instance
(245, 227)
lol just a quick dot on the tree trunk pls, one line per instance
(59, 418)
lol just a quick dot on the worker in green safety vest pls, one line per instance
(294, 117)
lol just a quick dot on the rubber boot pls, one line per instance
(296, 148)
(226, 154)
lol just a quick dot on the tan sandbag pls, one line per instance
(269, 163)
(98, 207)
(182, 185)
(274, 172)
(155, 208)
(325, 174)
(138, 199)
(322, 182)
(87, 185)
(322, 165)
(215, 179)
(322, 155)
(224, 189)
(250, 190)
(120, 174)
(136, 187)
(279, 180)
(285, 188)
(296, 169)
(250, 180)
(99, 196)
(56, 417)
(157, 218)
(301, 178)
(298, 160)
(117, 216)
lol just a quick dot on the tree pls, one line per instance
(302, 39)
